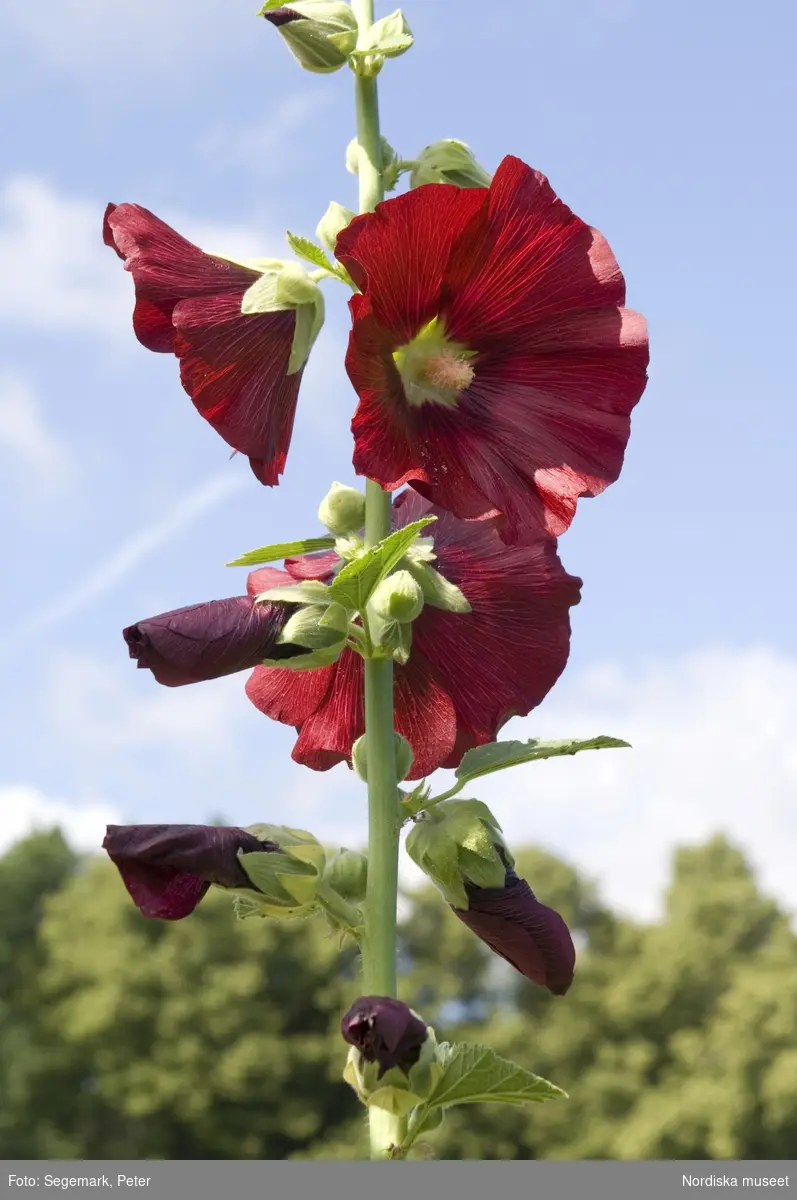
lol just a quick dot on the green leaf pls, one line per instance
(279, 550)
(474, 1074)
(355, 583)
(302, 247)
(498, 755)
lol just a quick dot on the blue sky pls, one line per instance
(665, 125)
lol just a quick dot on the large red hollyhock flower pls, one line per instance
(467, 674)
(495, 364)
(167, 869)
(528, 934)
(233, 366)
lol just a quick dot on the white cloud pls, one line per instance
(57, 274)
(25, 809)
(117, 41)
(713, 750)
(105, 711)
(36, 454)
(123, 560)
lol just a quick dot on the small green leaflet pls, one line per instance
(498, 755)
(267, 554)
(302, 247)
(475, 1074)
(355, 583)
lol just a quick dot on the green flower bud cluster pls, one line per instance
(459, 842)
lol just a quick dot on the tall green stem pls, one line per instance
(379, 940)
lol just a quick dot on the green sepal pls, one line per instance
(497, 756)
(305, 591)
(289, 289)
(286, 880)
(438, 591)
(323, 38)
(280, 550)
(395, 1092)
(335, 617)
(305, 628)
(448, 161)
(309, 662)
(356, 581)
(457, 842)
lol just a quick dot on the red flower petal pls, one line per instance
(559, 365)
(467, 673)
(312, 566)
(233, 366)
(398, 253)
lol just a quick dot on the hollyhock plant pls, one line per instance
(496, 368)
(528, 934)
(167, 869)
(207, 641)
(495, 362)
(467, 674)
(241, 347)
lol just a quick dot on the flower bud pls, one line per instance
(389, 164)
(385, 1031)
(398, 598)
(533, 938)
(403, 751)
(347, 873)
(320, 34)
(448, 161)
(342, 510)
(334, 220)
(457, 843)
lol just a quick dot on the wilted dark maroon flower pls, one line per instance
(385, 1031)
(167, 869)
(529, 935)
(206, 641)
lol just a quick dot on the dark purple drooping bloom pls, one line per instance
(206, 641)
(385, 1031)
(167, 869)
(528, 934)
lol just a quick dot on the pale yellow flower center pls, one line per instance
(433, 369)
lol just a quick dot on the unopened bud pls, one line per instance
(393, 1063)
(458, 843)
(334, 220)
(388, 165)
(347, 873)
(320, 34)
(403, 752)
(342, 510)
(448, 161)
(398, 598)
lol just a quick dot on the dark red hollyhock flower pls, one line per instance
(385, 1031)
(167, 869)
(495, 364)
(529, 935)
(467, 674)
(233, 366)
(206, 641)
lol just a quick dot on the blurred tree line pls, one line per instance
(211, 1038)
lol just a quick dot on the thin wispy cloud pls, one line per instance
(124, 560)
(34, 452)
